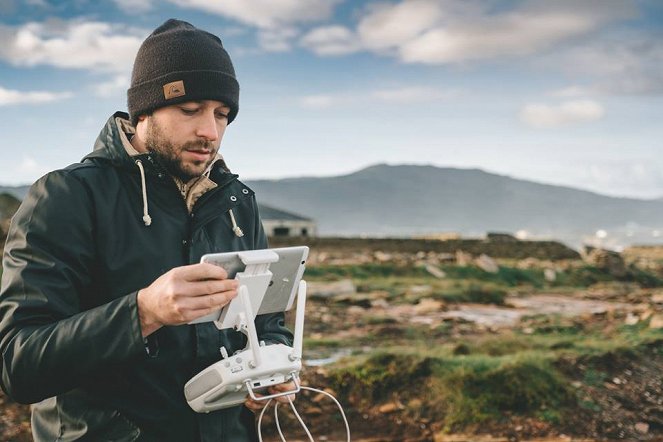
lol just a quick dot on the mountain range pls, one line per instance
(401, 200)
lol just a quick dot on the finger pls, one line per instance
(254, 405)
(285, 399)
(213, 301)
(210, 286)
(280, 388)
(202, 271)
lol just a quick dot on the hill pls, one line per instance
(402, 200)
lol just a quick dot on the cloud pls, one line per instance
(265, 13)
(574, 91)
(447, 32)
(388, 26)
(277, 40)
(134, 7)
(569, 112)
(631, 65)
(321, 101)
(402, 96)
(30, 167)
(116, 85)
(71, 45)
(409, 95)
(331, 40)
(39, 3)
(10, 97)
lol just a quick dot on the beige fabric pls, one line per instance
(196, 187)
(127, 131)
(192, 190)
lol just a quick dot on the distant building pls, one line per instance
(281, 223)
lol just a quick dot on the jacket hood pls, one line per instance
(108, 145)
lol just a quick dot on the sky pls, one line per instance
(566, 92)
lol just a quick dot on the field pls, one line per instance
(423, 344)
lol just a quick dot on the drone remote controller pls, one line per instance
(227, 382)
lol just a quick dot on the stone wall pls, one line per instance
(548, 250)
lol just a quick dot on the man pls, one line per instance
(99, 277)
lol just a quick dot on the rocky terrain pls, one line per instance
(423, 341)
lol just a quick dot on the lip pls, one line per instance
(201, 155)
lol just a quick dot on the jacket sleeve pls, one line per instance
(50, 343)
(270, 327)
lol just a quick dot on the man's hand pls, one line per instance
(184, 294)
(256, 406)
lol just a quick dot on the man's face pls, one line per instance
(186, 136)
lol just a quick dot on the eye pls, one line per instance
(188, 111)
(221, 116)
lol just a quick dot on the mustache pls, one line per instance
(199, 145)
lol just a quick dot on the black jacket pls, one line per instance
(77, 252)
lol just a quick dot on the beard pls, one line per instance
(169, 155)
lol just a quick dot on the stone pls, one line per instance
(420, 289)
(435, 271)
(656, 321)
(390, 407)
(657, 298)
(428, 305)
(323, 290)
(487, 264)
(607, 260)
(463, 259)
(550, 275)
(382, 256)
(642, 427)
(379, 303)
(631, 319)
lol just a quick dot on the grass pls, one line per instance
(383, 276)
(470, 381)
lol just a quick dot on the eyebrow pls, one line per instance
(223, 106)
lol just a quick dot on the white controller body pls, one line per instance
(226, 383)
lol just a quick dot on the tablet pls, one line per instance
(282, 289)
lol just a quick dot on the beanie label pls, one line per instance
(173, 89)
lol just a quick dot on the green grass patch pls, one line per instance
(363, 271)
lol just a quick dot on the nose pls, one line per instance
(207, 127)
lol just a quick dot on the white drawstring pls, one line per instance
(236, 229)
(147, 219)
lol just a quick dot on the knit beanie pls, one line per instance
(179, 62)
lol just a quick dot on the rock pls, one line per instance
(646, 314)
(607, 260)
(487, 264)
(656, 321)
(390, 407)
(428, 305)
(314, 411)
(657, 298)
(631, 319)
(355, 310)
(382, 257)
(379, 303)
(463, 259)
(435, 271)
(446, 257)
(550, 275)
(642, 427)
(323, 290)
(420, 289)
